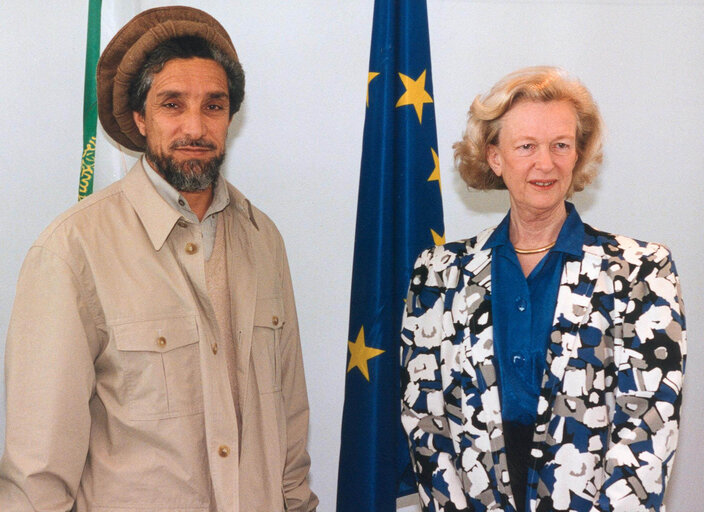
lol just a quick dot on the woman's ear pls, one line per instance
(493, 158)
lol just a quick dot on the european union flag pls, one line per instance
(399, 213)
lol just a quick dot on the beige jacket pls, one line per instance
(117, 397)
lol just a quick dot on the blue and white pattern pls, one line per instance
(608, 413)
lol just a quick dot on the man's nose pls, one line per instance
(193, 123)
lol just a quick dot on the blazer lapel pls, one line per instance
(573, 308)
(475, 313)
(480, 391)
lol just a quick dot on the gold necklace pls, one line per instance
(535, 251)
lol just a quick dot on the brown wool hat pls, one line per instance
(125, 54)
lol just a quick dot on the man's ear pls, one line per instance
(139, 121)
(493, 158)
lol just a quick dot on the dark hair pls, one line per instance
(185, 47)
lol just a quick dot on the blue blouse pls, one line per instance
(523, 310)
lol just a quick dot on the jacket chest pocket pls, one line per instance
(266, 344)
(160, 363)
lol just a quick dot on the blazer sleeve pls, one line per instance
(424, 410)
(650, 360)
(50, 379)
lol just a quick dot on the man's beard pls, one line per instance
(189, 175)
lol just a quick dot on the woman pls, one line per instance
(542, 359)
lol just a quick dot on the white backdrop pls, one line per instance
(295, 148)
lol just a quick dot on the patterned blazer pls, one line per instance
(608, 413)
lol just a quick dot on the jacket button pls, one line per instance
(191, 248)
(214, 347)
(275, 320)
(224, 450)
(161, 341)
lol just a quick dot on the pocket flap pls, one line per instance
(156, 335)
(269, 313)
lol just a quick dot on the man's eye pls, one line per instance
(170, 105)
(526, 147)
(215, 107)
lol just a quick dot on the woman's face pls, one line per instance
(536, 154)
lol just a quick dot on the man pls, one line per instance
(153, 359)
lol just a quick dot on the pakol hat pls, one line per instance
(124, 56)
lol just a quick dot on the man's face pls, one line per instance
(185, 122)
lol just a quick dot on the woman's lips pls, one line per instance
(543, 183)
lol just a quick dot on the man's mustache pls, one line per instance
(188, 142)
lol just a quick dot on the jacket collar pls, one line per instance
(175, 199)
(242, 205)
(157, 216)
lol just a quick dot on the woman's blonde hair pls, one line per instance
(542, 83)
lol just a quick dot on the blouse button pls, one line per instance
(520, 304)
(518, 360)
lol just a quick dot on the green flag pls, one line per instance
(90, 102)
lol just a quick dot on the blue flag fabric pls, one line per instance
(399, 213)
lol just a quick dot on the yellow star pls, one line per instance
(435, 176)
(415, 94)
(360, 354)
(438, 239)
(370, 76)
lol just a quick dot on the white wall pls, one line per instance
(296, 147)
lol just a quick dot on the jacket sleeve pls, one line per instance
(49, 377)
(297, 493)
(649, 359)
(424, 407)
